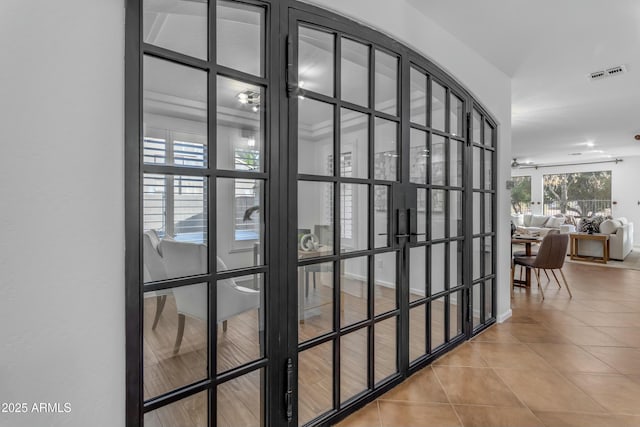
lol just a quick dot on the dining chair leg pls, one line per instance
(160, 302)
(546, 274)
(537, 271)
(176, 347)
(565, 283)
(556, 277)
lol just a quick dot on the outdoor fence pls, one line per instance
(579, 208)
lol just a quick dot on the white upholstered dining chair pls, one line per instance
(183, 259)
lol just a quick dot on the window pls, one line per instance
(247, 198)
(521, 195)
(346, 198)
(174, 204)
(580, 194)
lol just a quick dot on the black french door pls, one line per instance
(309, 214)
(380, 215)
(345, 131)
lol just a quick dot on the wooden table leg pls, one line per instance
(527, 273)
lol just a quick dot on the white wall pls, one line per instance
(62, 218)
(489, 85)
(624, 191)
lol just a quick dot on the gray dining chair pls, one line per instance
(550, 256)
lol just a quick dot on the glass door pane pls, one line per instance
(347, 162)
(316, 53)
(177, 26)
(205, 223)
(484, 202)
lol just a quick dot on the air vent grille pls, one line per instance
(615, 70)
(609, 72)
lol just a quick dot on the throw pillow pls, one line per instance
(597, 220)
(591, 223)
(584, 225)
(517, 219)
(609, 226)
(538, 220)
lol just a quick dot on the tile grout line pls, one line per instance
(379, 413)
(618, 372)
(508, 387)
(516, 395)
(553, 369)
(560, 373)
(447, 394)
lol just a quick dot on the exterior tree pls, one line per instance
(520, 193)
(581, 194)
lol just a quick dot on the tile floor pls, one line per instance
(561, 362)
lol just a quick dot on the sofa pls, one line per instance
(541, 224)
(620, 232)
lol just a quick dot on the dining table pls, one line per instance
(527, 241)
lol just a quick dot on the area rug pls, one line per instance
(631, 262)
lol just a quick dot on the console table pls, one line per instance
(574, 239)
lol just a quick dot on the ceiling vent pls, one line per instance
(614, 71)
(603, 74)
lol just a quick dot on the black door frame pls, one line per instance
(281, 342)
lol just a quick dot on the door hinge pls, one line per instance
(291, 86)
(291, 79)
(469, 308)
(469, 130)
(288, 396)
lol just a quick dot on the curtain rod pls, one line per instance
(616, 161)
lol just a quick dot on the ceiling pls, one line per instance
(549, 48)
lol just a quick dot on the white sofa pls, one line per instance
(541, 224)
(620, 232)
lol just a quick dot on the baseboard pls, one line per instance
(504, 316)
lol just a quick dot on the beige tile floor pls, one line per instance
(561, 362)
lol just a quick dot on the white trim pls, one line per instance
(504, 316)
(416, 291)
(385, 284)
